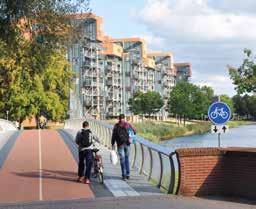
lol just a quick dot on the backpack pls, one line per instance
(85, 140)
(122, 135)
(131, 135)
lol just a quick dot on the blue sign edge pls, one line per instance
(210, 117)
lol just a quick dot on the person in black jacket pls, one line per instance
(84, 141)
(120, 136)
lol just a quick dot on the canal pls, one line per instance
(242, 136)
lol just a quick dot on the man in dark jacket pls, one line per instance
(84, 141)
(120, 136)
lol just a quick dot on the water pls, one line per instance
(242, 136)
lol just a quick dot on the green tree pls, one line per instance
(241, 105)
(244, 78)
(226, 99)
(135, 103)
(34, 74)
(190, 101)
(182, 99)
(146, 103)
(203, 101)
(252, 106)
(151, 103)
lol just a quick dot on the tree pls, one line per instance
(151, 103)
(34, 74)
(226, 99)
(146, 103)
(135, 103)
(244, 78)
(181, 101)
(252, 106)
(204, 101)
(190, 101)
(241, 105)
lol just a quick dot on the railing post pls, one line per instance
(110, 137)
(161, 170)
(151, 164)
(172, 178)
(135, 155)
(142, 159)
(105, 136)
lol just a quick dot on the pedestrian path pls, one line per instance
(137, 185)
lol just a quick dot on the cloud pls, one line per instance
(237, 7)
(220, 84)
(153, 41)
(210, 34)
(197, 20)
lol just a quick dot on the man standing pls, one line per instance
(120, 136)
(84, 142)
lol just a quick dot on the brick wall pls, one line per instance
(213, 171)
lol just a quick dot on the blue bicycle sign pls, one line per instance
(219, 113)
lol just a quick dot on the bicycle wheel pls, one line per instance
(101, 178)
(214, 115)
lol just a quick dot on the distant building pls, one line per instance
(183, 71)
(109, 71)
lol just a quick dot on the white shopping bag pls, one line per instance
(113, 157)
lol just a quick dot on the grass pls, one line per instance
(157, 131)
(233, 124)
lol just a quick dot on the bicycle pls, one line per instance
(219, 112)
(97, 165)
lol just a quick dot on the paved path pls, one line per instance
(139, 202)
(38, 170)
(136, 186)
(39, 166)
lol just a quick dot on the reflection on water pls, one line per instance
(243, 136)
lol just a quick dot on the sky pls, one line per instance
(210, 34)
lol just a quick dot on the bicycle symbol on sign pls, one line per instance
(219, 112)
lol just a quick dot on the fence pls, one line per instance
(156, 162)
(6, 125)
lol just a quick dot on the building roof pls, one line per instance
(131, 39)
(182, 64)
(85, 16)
(160, 54)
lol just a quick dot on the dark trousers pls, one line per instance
(87, 156)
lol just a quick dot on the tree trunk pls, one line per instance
(37, 121)
(184, 121)
(20, 122)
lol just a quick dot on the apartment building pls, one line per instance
(113, 61)
(183, 71)
(86, 61)
(109, 71)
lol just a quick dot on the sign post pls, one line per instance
(219, 113)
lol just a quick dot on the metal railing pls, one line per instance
(6, 125)
(158, 163)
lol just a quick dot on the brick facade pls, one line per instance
(213, 171)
